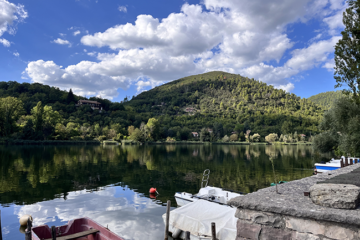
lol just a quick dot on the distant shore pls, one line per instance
(129, 142)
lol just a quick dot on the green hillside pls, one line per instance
(326, 99)
(237, 103)
(221, 102)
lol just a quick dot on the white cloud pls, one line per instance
(83, 78)
(244, 37)
(16, 54)
(76, 32)
(9, 15)
(4, 42)
(62, 42)
(130, 208)
(122, 9)
(288, 87)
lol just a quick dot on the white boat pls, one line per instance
(212, 194)
(209, 193)
(333, 164)
(197, 217)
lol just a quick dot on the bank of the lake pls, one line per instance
(110, 184)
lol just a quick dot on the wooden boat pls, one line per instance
(78, 229)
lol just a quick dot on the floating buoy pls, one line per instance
(152, 190)
(153, 195)
(23, 220)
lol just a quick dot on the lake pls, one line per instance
(110, 184)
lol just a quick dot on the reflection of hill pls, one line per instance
(32, 174)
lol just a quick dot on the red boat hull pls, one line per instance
(76, 226)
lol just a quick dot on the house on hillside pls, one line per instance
(93, 104)
(195, 134)
(190, 109)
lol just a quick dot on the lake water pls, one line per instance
(110, 184)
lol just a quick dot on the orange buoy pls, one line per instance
(152, 190)
(153, 195)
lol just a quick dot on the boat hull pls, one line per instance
(77, 228)
(211, 194)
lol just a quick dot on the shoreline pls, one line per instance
(129, 142)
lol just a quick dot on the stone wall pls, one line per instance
(254, 224)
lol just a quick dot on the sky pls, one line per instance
(118, 48)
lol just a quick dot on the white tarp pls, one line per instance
(197, 217)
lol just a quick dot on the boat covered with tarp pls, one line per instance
(196, 218)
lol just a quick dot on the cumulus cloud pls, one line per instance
(243, 37)
(85, 78)
(16, 54)
(126, 206)
(62, 42)
(4, 42)
(76, 32)
(122, 9)
(10, 15)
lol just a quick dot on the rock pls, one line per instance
(247, 231)
(269, 233)
(23, 220)
(343, 196)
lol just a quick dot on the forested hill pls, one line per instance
(236, 103)
(326, 99)
(213, 104)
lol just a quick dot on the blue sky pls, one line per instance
(118, 48)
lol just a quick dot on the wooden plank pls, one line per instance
(76, 235)
(213, 231)
(167, 220)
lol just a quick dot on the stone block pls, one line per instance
(306, 236)
(343, 196)
(305, 225)
(269, 233)
(247, 230)
(337, 232)
(259, 217)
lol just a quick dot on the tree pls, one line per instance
(130, 130)
(137, 135)
(272, 137)
(38, 114)
(347, 52)
(226, 138)
(10, 111)
(341, 128)
(247, 135)
(255, 137)
(234, 137)
(70, 97)
(154, 126)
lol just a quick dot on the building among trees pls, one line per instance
(93, 104)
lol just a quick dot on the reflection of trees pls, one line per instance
(30, 174)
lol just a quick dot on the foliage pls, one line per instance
(341, 128)
(255, 137)
(10, 111)
(272, 137)
(226, 138)
(347, 52)
(169, 139)
(234, 137)
(326, 99)
(174, 110)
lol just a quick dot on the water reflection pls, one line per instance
(110, 184)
